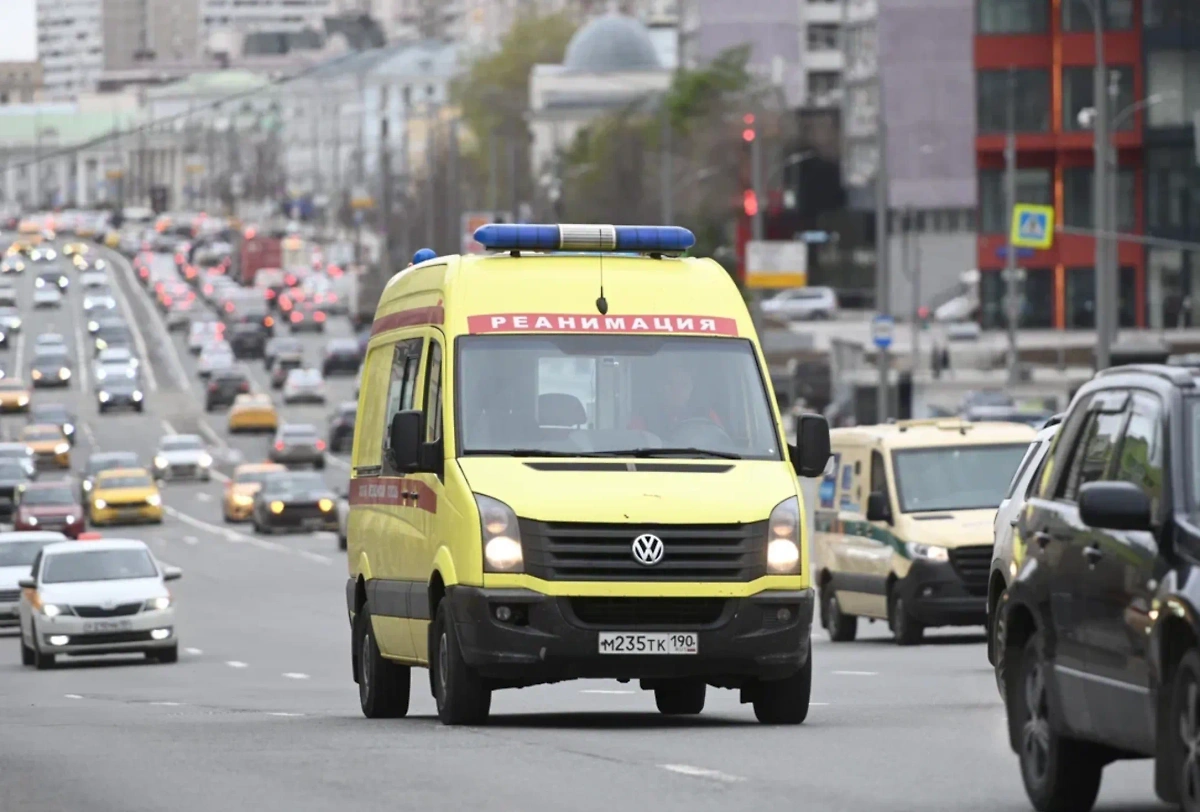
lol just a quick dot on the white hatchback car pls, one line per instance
(802, 304)
(17, 552)
(97, 597)
(304, 386)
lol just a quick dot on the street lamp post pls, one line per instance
(1100, 186)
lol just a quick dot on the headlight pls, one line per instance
(93, 326)
(154, 500)
(100, 504)
(39, 283)
(101, 344)
(63, 373)
(36, 375)
(783, 538)
(87, 484)
(62, 281)
(62, 448)
(243, 500)
(930, 552)
(23, 400)
(501, 536)
(104, 397)
(325, 505)
(15, 324)
(158, 604)
(205, 460)
(32, 521)
(68, 428)
(276, 507)
(137, 396)
(69, 518)
(101, 374)
(54, 610)
(160, 462)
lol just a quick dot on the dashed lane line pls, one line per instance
(317, 557)
(338, 461)
(211, 433)
(701, 772)
(72, 696)
(856, 673)
(201, 496)
(294, 675)
(167, 704)
(139, 341)
(195, 652)
(236, 664)
(284, 714)
(224, 532)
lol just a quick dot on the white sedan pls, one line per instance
(47, 297)
(17, 552)
(96, 597)
(304, 386)
(93, 279)
(217, 355)
(802, 304)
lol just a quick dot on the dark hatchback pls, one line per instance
(12, 475)
(342, 357)
(299, 501)
(120, 393)
(112, 333)
(247, 340)
(49, 506)
(224, 385)
(341, 427)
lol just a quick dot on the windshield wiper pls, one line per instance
(688, 451)
(526, 452)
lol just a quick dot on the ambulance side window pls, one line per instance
(402, 387)
(433, 393)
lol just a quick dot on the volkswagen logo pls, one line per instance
(648, 549)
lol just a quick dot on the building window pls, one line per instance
(1012, 16)
(1077, 15)
(1171, 14)
(1033, 186)
(1037, 299)
(1078, 96)
(1172, 190)
(1174, 78)
(1031, 100)
(823, 37)
(822, 84)
(1077, 198)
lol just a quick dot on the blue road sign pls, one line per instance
(815, 236)
(1022, 253)
(882, 328)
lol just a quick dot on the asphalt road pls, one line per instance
(261, 712)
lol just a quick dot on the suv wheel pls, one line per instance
(842, 628)
(1060, 774)
(463, 698)
(1183, 732)
(383, 686)
(785, 701)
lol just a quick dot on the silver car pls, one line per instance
(298, 444)
(47, 297)
(183, 456)
(802, 304)
(96, 597)
(22, 452)
(17, 552)
(304, 386)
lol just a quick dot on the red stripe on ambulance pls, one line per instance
(586, 323)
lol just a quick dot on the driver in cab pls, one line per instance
(676, 404)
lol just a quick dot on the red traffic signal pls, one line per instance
(748, 134)
(750, 202)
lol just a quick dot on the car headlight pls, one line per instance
(32, 521)
(62, 448)
(63, 373)
(68, 428)
(23, 400)
(325, 505)
(93, 326)
(100, 504)
(104, 397)
(15, 324)
(930, 552)
(205, 460)
(63, 281)
(36, 375)
(783, 538)
(276, 507)
(87, 484)
(54, 610)
(160, 462)
(137, 396)
(39, 283)
(501, 536)
(243, 500)
(154, 500)
(101, 344)
(158, 604)
(69, 518)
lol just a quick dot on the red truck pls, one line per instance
(254, 252)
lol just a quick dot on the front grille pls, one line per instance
(117, 611)
(301, 512)
(183, 470)
(647, 612)
(134, 503)
(972, 565)
(604, 552)
(108, 638)
(54, 522)
(10, 595)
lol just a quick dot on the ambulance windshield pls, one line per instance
(614, 394)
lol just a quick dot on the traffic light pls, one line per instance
(750, 202)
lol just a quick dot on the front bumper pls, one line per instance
(752, 638)
(14, 406)
(253, 424)
(238, 513)
(936, 596)
(301, 523)
(303, 397)
(52, 460)
(9, 619)
(184, 471)
(50, 382)
(297, 458)
(119, 401)
(117, 514)
(113, 635)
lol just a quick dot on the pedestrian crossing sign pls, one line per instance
(1032, 226)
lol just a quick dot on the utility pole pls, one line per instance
(385, 197)
(1100, 187)
(668, 169)
(430, 173)
(1112, 254)
(1011, 311)
(453, 216)
(882, 280)
(757, 224)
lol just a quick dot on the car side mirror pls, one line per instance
(404, 440)
(1114, 506)
(171, 573)
(810, 455)
(27, 583)
(878, 508)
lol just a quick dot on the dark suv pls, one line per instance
(224, 386)
(1097, 642)
(248, 341)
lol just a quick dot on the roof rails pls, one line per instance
(1183, 377)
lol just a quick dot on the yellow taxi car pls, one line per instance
(14, 395)
(51, 448)
(72, 249)
(112, 238)
(246, 482)
(254, 412)
(582, 472)
(124, 496)
(25, 245)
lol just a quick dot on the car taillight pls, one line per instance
(208, 289)
(297, 316)
(268, 321)
(166, 301)
(290, 280)
(212, 387)
(229, 307)
(269, 293)
(279, 446)
(179, 258)
(245, 387)
(319, 315)
(333, 297)
(320, 445)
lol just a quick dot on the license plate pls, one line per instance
(129, 513)
(312, 524)
(107, 626)
(652, 643)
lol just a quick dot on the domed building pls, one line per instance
(611, 62)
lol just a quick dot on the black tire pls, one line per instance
(680, 698)
(319, 465)
(785, 701)
(164, 655)
(42, 662)
(384, 687)
(26, 654)
(907, 629)
(1182, 768)
(1060, 774)
(842, 628)
(463, 698)
(342, 542)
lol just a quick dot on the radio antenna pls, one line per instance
(602, 303)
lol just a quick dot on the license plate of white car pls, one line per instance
(649, 643)
(107, 626)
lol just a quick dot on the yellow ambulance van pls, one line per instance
(903, 528)
(568, 463)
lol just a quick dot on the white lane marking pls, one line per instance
(338, 461)
(81, 357)
(167, 427)
(72, 696)
(193, 651)
(139, 342)
(818, 704)
(230, 535)
(284, 714)
(20, 358)
(86, 428)
(203, 497)
(167, 704)
(856, 673)
(294, 675)
(211, 433)
(236, 664)
(317, 557)
(701, 772)
(190, 540)
(601, 691)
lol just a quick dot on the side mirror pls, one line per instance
(878, 509)
(811, 452)
(171, 573)
(27, 583)
(404, 440)
(1114, 506)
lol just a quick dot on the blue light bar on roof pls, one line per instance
(570, 237)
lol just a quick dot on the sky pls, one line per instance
(19, 42)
